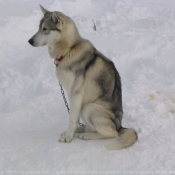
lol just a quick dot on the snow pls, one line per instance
(139, 36)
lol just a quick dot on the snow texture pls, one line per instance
(139, 36)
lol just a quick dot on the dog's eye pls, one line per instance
(44, 29)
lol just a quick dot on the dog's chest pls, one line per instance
(66, 78)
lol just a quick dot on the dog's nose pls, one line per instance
(31, 41)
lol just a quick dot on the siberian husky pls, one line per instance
(91, 80)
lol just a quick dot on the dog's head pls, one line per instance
(53, 27)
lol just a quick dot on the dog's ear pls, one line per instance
(43, 10)
(55, 17)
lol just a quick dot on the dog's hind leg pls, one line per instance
(91, 136)
(99, 120)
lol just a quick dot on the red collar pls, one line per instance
(62, 56)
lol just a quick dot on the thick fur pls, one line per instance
(91, 80)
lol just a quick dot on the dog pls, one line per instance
(91, 80)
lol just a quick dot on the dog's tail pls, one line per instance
(126, 138)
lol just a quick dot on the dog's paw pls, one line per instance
(84, 136)
(65, 139)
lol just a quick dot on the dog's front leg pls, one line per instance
(75, 107)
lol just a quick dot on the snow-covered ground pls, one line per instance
(139, 36)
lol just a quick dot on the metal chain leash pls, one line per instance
(65, 101)
(64, 98)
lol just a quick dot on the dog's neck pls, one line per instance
(58, 49)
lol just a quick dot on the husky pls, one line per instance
(91, 80)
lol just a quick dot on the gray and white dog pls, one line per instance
(91, 80)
